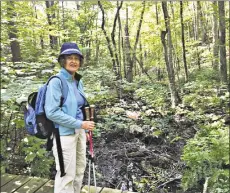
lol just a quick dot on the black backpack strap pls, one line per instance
(57, 137)
(59, 151)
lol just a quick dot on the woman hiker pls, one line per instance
(69, 120)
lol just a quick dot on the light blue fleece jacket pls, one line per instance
(64, 116)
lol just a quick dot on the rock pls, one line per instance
(144, 108)
(149, 112)
(117, 110)
(146, 127)
(133, 115)
(46, 72)
(21, 99)
(135, 129)
(5, 70)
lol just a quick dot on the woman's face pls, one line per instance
(72, 63)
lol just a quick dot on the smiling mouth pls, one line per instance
(73, 65)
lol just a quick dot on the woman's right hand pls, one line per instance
(88, 125)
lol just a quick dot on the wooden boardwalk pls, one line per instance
(25, 184)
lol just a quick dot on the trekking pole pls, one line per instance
(87, 119)
(92, 107)
(90, 116)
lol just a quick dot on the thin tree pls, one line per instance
(183, 41)
(223, 63)
(12, 32)
(113, 39)
(121, 47)
(215, 37)
(202, 23)
(50, 18)
(110, 45)
(133, 58)
(168, 56)
(127, 47)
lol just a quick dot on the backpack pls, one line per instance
(36, 122)
(35, 119)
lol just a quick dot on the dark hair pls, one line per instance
(62, 60)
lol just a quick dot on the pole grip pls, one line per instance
(87, 113)
(92, 107)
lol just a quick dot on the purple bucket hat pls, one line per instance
(69, 48)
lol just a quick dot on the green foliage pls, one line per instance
(207, 76)
(36, 156)
(205, 156)
(99, 85)
(154, 94)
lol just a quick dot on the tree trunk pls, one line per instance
(223, 63)
(50, 18)
(122, 46)
(141, 58)
(215, 37)
(197, 20)
(202, 23)
(114, 42)
(12, 33)
(157, 18)
(130, 69)
(108, 41)
(183, 41)
(119, 43)
(168, 57)
(97, 43)
(127, 46)
(41, 38)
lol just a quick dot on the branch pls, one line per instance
(115, 21)
(139, 26)
(143, 69)
(174, 179)
(103, 15)
(107, 38)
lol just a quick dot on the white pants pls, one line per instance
(74, 155)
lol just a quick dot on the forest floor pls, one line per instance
(143, 154)
(138, 159)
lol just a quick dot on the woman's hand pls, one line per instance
(88, 125)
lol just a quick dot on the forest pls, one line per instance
(157, 73)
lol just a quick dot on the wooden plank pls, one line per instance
(5, 178)
(32, 186)
(14, 184)
(47, 187)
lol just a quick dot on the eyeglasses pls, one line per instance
(73, 58)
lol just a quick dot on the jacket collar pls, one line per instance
(68, 76)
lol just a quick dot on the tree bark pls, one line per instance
(97, 43)
(168, 57)
(119, 43)
(130, 69)
(114, 42)
(112, 49)
(157, 18)
(197, 20)
(108, 41)
(183, 41)
(215, 37)
(127, 49)
(122, 46)
(50, 17)
(223, 63)
(202, 23)
(12, 33)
